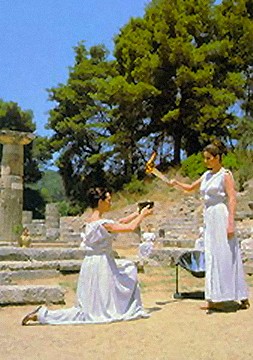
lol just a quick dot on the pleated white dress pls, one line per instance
(224, 279)
(107, 290)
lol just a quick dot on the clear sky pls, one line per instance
(37, 39)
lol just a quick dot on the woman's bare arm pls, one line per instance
(186, 187)
(127, 219)
(231, 194)
(130, 226)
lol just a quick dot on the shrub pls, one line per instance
(231, 161)
(245, 167)
(135, 186)
(193, 166)
(66, 208)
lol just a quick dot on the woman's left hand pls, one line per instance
(146, 211)
(231, 231)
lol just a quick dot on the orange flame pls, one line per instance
(150, 165)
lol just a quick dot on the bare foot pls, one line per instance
(32, 316)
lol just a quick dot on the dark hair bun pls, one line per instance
(95, 194)
(220, 146)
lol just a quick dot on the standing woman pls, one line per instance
(224, 279)
(107, 290)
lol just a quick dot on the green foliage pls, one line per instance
(135, 186)
(75, 120)
(12, 117)
(68, 209)
(244, 133)
(18, 229)
(177, 74)
(245, 167)
(231, 161)
(64, 208)
(235, 22)
(51, 187)
(193, 166)
(40, 151)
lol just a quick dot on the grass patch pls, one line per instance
(164, 279)
(249, 279)
(69, 285)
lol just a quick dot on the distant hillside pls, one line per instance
(51, 187)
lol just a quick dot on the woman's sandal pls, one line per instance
(211, 308)
(32, 316)
(245, 304)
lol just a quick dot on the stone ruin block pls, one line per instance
(52, 222)
(27, 217)
(31, 294)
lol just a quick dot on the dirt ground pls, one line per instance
(176, 329)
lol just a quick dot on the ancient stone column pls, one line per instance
(11, 182)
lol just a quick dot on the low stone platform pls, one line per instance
(40, 254)
(187, 243)
(168, 256)
(28, 264)
(31, 294)
(6, 243)
(55, 244)
(13, 276)
(11, 271)
(61, 265)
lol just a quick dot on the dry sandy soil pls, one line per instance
(176, 329)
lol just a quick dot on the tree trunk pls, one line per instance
(177, 149)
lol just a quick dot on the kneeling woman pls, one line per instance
(106, 291)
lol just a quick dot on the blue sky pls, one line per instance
(37, 39)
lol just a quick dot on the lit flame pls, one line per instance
(150, 165)
(150, 168)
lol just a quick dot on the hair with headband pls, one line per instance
(216, 148)
(95, 194)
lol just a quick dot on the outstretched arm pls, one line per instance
(231, 193)
(186, 187)
(130, 226)
(129, 218)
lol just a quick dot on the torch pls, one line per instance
(150, 169)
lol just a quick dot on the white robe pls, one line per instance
(107, 291)
(224, 279)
